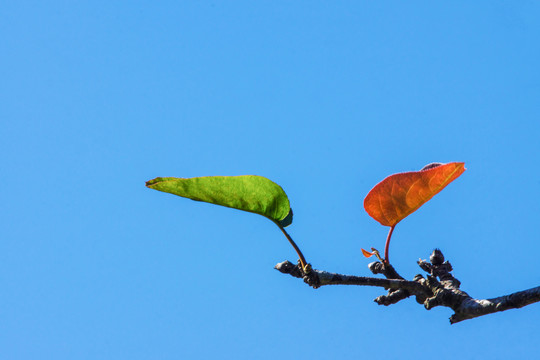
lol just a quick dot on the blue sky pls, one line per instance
(326, 99)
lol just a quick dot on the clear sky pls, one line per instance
(324, 98)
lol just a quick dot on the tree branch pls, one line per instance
(318, 278)
(471, 308)
(439, 288)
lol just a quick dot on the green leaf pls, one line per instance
(251, 193)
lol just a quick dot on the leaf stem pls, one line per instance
(387, 245)
(296, 248)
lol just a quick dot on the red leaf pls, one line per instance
(367, 253)
(399, 195)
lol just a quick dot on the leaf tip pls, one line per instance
(152, 182)
(460, 168)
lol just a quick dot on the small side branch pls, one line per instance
(439, 288)
(394, 295)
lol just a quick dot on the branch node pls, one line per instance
(440, 268)
(312, 279)
(287, 267)
(387, 270)
(376, 267)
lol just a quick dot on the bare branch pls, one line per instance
(328, 278)
(440, 288)
(471, 308)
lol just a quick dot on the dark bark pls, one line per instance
(438, 288)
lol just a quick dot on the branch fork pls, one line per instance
(438, 288)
